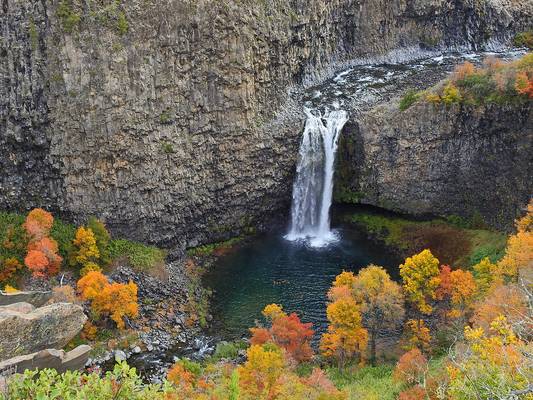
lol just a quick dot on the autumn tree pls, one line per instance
(43, 257)
(116, 300)
(458, 288)
(86, 254)
(287, 332)
(346, 337)
(411, 368)
(417, 335)
(486, 275)
(493, 364)
(381, 303)
(38, 224)
(420, 276)
(259, 374)
(519, 251)
(8, 268)
(509, 300)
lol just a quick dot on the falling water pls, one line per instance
(313, 186)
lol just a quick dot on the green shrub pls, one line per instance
(64, 234)
(191, 366)
(122, 23)
(69, 18)
(476, 87)
(140, 257)
(524, 39)
(122, 384)
(410, 97)
(225, 350)
(103, 239)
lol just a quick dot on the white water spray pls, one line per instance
(313, 186)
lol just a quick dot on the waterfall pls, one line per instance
(313, 186)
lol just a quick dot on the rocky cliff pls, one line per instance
(437, 160)
(171, 119)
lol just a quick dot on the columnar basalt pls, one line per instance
(172, 119)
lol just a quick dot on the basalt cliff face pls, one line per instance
(172, 120)
(457, 160)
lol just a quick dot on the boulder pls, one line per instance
(49, 358)
(23, 330)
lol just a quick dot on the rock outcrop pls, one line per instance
(35, 298)
(24, 329)
(459, 160)
(171, 119)
(49, 358)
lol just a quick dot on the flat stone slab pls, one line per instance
(49, 358)
(23, 330)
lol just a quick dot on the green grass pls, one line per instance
(140, 256)
(409, 98)
(450, 240)
(367, 383)
(209, 249)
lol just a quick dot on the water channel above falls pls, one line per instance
(295, 268)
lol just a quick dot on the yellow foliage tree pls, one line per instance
(346, 336)
(87, 253)
(420, 276)
(417, 335)
(519, 251)
(259, 374)
(486, 275)
(494, 365)
(381, 302)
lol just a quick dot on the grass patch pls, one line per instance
(367, 383)
(409, 98)
(451, 243)
(141, 257)
(214, 248)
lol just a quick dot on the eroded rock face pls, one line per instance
(178, 128)
(26, 330)
(441, 160)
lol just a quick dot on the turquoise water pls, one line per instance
(271, 269)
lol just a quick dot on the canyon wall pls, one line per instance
(178, 122)
(436, 160)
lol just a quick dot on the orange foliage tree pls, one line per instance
(116, 300)
(411, 368)
(458, 288)
(42, 257)
(287, 332)
(508, 300)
